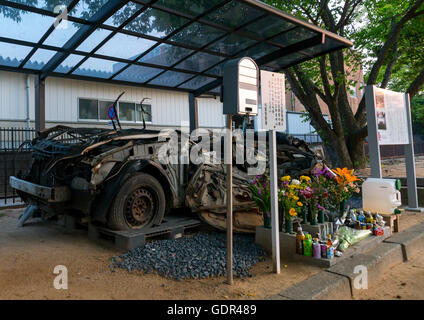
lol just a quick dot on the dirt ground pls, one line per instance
(403, 282)
(396, 168)
(30, 254)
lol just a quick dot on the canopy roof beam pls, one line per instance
(86, 30)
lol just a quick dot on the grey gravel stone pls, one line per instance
(200, 256)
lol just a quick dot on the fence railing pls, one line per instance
(397, 151)
(309, 138)
(13, 161)
(12, 138)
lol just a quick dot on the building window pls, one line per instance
(103, 109)
(96, 110)
(146, 110)
(353, 92)
(88, 109)
(126, 111)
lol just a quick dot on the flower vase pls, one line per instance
(289, 226)
(267, 220)
(314, 215)
(321, 216)
(303, 215)
(309, 218)
(342, 207)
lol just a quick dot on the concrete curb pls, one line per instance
(323, 285)
(337, 282)
(411, 240)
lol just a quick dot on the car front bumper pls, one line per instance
(49, 194)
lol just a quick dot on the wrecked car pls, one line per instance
(114, 178)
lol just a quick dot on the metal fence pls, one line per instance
(12, 160)
(309, 138)
(397, 151)
(12, 138)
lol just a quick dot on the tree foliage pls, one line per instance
(382, 31)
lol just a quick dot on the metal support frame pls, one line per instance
(229, 165)
(374, 145)
(410, 163)
(46, 35)
(86, 30)
(40, 103)
(112, 6)
(193, 109)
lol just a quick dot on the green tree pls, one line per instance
(381, 31)
(417, 110)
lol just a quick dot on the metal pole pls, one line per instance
(374, 146)
(274, 201)
(229, 164)
(410, 163)
(28, 118)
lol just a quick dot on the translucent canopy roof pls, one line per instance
(172, 44)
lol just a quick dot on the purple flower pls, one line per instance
(320, 207)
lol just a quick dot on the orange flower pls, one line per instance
(345, 176)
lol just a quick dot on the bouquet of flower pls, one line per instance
(261, 194)
(345, 184)
(288, 196)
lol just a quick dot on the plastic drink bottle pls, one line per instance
(330, 252)
(307, 245)
(329, 241)
(317, 249)
(323, 250)
(299, 240)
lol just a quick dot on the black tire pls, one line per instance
(140, 203)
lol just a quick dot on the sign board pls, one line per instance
(273, 93)
(391, 114)
(241, 87)
(389, 121)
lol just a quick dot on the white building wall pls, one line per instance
(168, 108)
(13, 105)
(210, 113)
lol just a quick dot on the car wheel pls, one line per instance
(140, 203)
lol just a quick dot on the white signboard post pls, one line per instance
(273, 101)
(389, 123)
(273, 119)
(241, 95)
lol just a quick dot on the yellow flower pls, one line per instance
(292, 212)
(296, 198)
(286, 178)
(305, 178)
(300, 204)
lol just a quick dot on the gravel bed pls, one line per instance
(200, 256)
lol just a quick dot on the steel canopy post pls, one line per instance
(229, 165)
(374, 145)
(40, 103)
(410, 163)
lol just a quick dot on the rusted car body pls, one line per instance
(115, 178)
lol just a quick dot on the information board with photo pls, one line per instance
(391, 117)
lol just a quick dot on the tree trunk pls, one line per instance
(357, 152)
